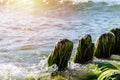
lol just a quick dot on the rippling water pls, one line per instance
(28, 33)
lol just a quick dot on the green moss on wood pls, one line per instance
(116, 32)
(85, 50)
(104, 45)
(61, 53)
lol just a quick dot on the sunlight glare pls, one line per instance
(24, 1)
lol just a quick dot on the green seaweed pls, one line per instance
(85, 50)
(104, 45)
(103, 71)
(61, 54)
(107, 75)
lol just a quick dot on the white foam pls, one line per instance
(10, 72)
(13, 72)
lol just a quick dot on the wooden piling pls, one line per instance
(85, 50)
(61, 54)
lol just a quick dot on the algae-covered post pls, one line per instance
(116, 32)
(61, 54)
(104, 45)
(85, 50)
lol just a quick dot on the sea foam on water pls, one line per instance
(10, 72)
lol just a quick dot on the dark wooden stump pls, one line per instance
(116, 49)
(104, 45)
(85, 50)
(61, 54)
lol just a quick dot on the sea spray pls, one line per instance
(9, 71)
(37, 71)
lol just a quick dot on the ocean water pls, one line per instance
(29, 31)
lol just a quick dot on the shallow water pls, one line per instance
(28, 33)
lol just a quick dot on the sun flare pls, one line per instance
(24, 1)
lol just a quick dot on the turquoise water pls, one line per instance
(29, 32)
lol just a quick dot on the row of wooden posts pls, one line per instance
(105, 45)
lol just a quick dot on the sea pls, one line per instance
(29, 29)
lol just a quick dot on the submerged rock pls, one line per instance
(116, 32)
(29, 47)
(61, 53)
(104, 45)
(115, 75)
(85, 50)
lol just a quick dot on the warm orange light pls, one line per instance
(24, 1)
(37, 6)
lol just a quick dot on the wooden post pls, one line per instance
(116, 32)
(61, 54)
(104, 45)
(85, 50)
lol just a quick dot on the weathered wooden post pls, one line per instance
(85, 50)
(104, 45)
(116, 32)
(61, 54)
